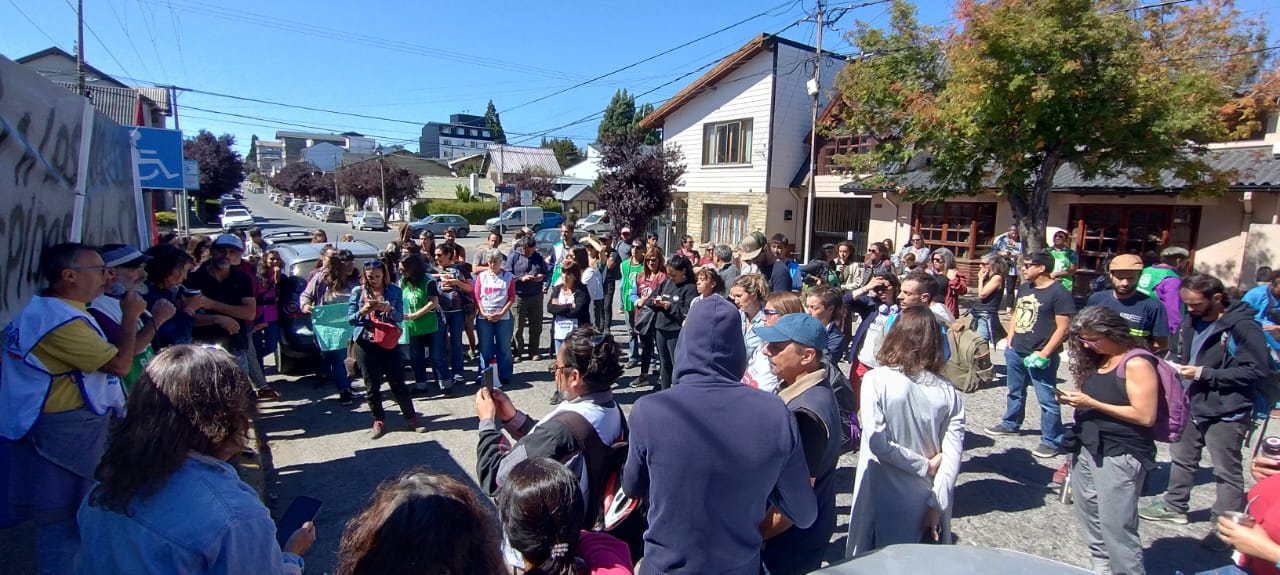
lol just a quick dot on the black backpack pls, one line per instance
(846, 401)
(608, 509)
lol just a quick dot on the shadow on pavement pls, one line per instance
(982, 496)
(1174, 554)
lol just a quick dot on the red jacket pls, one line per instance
(1266, 509)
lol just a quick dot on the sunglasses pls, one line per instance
(439, 254)
(770, 312)
(936, 259)
(372, 264)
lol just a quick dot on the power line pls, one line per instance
(33, 24)
(105, 48)
(129, 37)
(653, 57)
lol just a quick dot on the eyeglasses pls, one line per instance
(557, 367)
(89, 268)
(917, 239)
(770, 312)
(439, 254)
(1089, 343)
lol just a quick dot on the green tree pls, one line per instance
(251, 160)
(221, 168)
(567, 152)
(651, 137)
(619, 117)
(494, 123)
(1020, 88)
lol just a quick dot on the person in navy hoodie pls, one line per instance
(744, 456)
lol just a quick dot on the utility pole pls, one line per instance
(816, 91)
(383, 181)
(80, 83)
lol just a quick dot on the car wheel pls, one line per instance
(502, 230)
(464, 232)
(285, 364)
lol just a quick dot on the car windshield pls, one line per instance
(509, 213)
(236, 213)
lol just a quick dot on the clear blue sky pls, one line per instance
(416, 61)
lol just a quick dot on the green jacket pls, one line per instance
(629, 273)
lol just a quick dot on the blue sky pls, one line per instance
(417, 61)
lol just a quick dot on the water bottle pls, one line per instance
(1064, 496)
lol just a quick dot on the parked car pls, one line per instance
(298, 352)
(515, 218)
(548, 237)
(236, 219)
(597, 223)
(290, 236)
(319, 211)
(233, 205)
(438, 223)
(368, 220)
(334, 214)
(550, 220)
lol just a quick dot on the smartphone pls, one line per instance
(302, 510)
(1058, 392)
(489, 376)
(191, 292)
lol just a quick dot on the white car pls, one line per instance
(368, 220)
(234, 218)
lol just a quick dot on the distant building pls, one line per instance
(269, 155)
(462, 135)
(296, 142)
(324, 155)
(126, 105)
(501, 161)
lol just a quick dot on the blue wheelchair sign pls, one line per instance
(157, 154)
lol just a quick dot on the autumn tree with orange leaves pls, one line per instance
(1017, 89)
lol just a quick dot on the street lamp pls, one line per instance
(382, 180)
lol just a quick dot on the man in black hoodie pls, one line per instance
(1223, 353)
(712, 455)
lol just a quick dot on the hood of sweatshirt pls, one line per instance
(1237, 312)
(711, 348)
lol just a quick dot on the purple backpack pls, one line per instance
(1173, 407)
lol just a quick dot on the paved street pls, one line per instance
(319, 448)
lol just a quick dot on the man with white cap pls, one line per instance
(231, 305)
(125, 274)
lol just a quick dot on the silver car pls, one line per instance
(368, 220)
(438, 223)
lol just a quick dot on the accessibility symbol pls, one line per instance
(158, 155)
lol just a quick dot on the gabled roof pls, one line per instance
(521, 159)
(727, 66)
(1251, 167)
(310, 136)
(56, 51)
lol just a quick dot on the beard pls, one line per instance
(116, 289)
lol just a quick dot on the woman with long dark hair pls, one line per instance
(198, 247)
(166, 500)
(422, 523)
(422, 324)
(333, 285)
(646, 287)
(951, 283)
(543, 514)
(912, 423)
(266, 331)
(376, 303)
(166, 271)
(570, 308)
(1113, 434)
(986, 311)
(672, 304)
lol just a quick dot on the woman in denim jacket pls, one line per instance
(377, 297)
(166, 500)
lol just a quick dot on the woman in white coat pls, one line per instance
(912, 437)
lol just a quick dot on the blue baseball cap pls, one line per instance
(801, 328)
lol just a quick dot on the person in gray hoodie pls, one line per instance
(712, 455)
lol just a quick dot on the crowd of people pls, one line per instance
(129, 380)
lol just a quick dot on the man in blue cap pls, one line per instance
(794, 345)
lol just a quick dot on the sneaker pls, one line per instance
(1213, 542)
(998, 429)
(459, 380)
(268, 393)
(555, 398)
(345, 398)
(448, 391)
(536, 357)
(1046, 451)
(415, 425)
(1159, 511)
(377, 430)
(631, 365)
(516, 359)
(622, 383)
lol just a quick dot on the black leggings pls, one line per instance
(376, 363)
(646, 351)
(666, 355)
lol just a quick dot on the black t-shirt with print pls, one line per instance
(1034, 314)
(1145, 315)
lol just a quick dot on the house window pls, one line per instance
(966, 228)
(726, 142)
(1102, 231)
(485, 133)
(845, 146)
(723, 224)
(474, 132)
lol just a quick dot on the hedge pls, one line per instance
(474, 212)
(166, 219)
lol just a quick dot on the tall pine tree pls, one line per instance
(494, 124)
(251, 160)
(619, 117)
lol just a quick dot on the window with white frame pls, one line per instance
(723, 224)
(726, 142)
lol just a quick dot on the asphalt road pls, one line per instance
(319, 448)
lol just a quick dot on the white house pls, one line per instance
(587, 169)
(741, 127)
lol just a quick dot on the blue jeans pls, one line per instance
(495, 344)
(454, 322)
(57, 545)
(430, 345)
(1044, 380)
(779, 560)
(987, 325)
(265, 340)
(335, 362)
